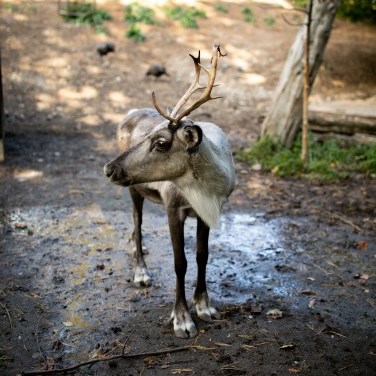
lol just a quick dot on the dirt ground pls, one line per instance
(302, 250)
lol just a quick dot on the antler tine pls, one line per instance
(194, 86)
(159, 109)
(206, 95)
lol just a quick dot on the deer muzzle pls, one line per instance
(115, 173)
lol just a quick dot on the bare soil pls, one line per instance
(302, 249)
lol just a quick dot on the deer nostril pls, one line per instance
(109, 169)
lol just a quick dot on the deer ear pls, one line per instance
(191, 136)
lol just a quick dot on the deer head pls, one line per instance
(159, 149)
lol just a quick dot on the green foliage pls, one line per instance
(134, 32)
(187, 16)
(220, 8)
(270, 21)
(328, 161)
(86, 14)
(136, 13)
(300, 3)
(8, 5)
(358, 10)
(248, 15)
(354, 10)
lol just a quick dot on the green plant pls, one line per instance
(328, 161)
(358, 10)
(248, 15)
(300, 3)
(8, 5)
(355, 10)
(136, 13)
(187, 16)
(270, 21)
(220, 8)
(85, 14)
(134, 32)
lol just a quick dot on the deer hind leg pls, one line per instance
(141, 276)
(200, 298)
(184, 327)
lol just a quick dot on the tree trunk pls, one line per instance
(285, 118)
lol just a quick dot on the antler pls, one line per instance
(206, 95)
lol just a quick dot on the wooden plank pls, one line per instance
(346, 117)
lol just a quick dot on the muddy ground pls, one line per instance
(304, 249)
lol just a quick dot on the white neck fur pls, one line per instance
(207, 206)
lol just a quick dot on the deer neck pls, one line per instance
(203, 185)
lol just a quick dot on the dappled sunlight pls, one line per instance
(254, 79)
(93, 120)
(56, 62)
(258, 185)
(112, 117)
(44, 101)
(277, 3)
(20, 17)
(119, 97)
(74, 93)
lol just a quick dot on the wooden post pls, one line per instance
(2, 117)
(306, 86)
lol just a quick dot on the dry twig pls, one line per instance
(106, 359)
(8, 314)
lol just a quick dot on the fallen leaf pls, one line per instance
(294, 370)
(362, 276)
(362, 245)
(312, 303)
(274, 313)
(149, 361)
(20, 226)
(308, 292)
(288, 346)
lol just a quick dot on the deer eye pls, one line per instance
(162, 145)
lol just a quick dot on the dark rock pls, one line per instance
(105, 48)
(157, 70)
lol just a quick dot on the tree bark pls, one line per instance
(285, 117)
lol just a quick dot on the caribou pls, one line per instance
(188, 167)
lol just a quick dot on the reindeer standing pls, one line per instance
(186, 166)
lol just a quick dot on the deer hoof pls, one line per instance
(184, 327)
(141, 277)
(205, 311)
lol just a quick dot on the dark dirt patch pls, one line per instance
(305, 249)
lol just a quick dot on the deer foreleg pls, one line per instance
(203, 308)
(184, 326)
(141, 277)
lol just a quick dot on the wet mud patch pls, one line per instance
(67, 295)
